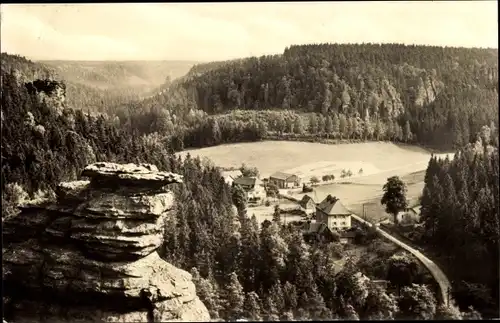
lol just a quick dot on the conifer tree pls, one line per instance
(252, 309)
(234, 298)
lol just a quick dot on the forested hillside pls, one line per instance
(240, 269)
(460, 214)
(100, 87)
(441, 96)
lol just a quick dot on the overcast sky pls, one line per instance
(219, 31)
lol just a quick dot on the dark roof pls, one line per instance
(245, 180)
(315, 227)
(348, 234)
(305, 199)
(332, 206)
(280, 175)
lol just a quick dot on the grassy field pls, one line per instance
(378, 160)
(263, 212)
(272, 156)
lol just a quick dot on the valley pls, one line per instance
(239, 162)
(378, 160)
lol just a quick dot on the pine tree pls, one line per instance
(313, 124)
(252, 308)
(250, 256)
(407, 134)
(435, 207)
(336, 125)
(321, 124)
(276, 294)
(290, 296)
(448, 217)
(328, 126)
(350, 313)
(273, 253)
(233, 298)
(368, 128)
(299, 126)
(208, 293)
(342, 126)
(298, 262)
(316, 306)
(269, 307)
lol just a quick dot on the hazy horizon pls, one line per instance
(201, 32)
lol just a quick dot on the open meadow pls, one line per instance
(378, 161)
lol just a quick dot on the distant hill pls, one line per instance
(105, 75)
(25, 68)
(440, 95)
(100, 86)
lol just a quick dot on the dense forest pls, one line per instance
(99, 87)
(432, 96)
(461, 220)
(439, 95)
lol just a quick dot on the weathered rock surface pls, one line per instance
(130, 174)
(91, 256)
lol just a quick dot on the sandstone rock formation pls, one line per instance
(91, 255)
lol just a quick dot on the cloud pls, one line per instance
(211, 31)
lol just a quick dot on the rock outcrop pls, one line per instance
(52, 92)
(91, 255)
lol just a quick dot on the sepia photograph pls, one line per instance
(250, 161)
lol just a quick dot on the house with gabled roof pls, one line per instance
(231, 175)
(333, 213)
(284, 180)
(253, 187)
(315, 232)
(409, 216)
(308, 204)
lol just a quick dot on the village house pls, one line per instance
(284, 180)
(308, 204)
(317, 232)
(332, 213)
(408, 217)
(231, 175)
(253, 188)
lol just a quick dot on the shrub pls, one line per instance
(314, 180)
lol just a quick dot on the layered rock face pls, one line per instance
(91, 256)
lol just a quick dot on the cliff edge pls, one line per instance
(91, 255)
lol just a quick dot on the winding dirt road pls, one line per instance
(437, 273)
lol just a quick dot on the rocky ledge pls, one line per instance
(91, 255)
